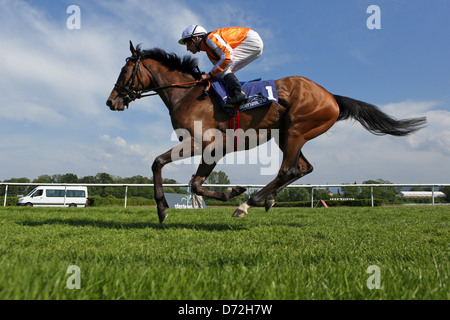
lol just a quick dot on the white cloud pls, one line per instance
(120, 149)
(33, 113)
(154, 24)
(59, 71)
(409, 108)
(436, 136)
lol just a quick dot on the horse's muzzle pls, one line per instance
(109, 103)
(116, 104)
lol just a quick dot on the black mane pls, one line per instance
(172, 61)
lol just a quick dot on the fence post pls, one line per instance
(126, 195)
(6, 194)
(371, 195)
(432, 196)
(312, 197)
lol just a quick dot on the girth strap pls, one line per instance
(235, 125)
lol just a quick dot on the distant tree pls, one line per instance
(87, 179)
(172, 189)
(446, 190)
(217, 178)
(17, 190)
(57, 178)
(45, 178)
(136, 180)
(293, 194)
(143, 192)
(321, 194)
(104, 178)
(351, 191)
(69, 178)
(385, 193)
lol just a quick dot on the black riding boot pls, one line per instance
(238, 94)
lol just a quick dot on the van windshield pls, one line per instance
(36, 193)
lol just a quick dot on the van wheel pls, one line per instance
(29, 204)
(72, 205)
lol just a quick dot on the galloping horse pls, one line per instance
(304, 111)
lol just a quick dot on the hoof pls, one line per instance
(239, 213)
(269, 204)
(239, 190)
(162, 215)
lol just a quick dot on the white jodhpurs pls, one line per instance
(249, 50)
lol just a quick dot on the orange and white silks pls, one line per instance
(231, 49)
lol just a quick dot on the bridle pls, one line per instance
(132, 93)
(129, 87)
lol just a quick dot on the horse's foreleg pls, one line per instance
(241, 211)
(182, 150)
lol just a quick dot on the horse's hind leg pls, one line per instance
(304, 166)
(292, 168)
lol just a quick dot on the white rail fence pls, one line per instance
(249, 186)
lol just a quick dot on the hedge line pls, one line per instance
(333, 203)
(97, 201)
(11, 201)
(293, 204)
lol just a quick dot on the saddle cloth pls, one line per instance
(259, 93)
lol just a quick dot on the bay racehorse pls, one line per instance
(304, 111)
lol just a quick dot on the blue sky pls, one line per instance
(55, 81)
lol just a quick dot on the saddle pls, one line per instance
(259, 93)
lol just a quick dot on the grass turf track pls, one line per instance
(288, 253)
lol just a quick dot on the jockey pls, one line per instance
(229, 49)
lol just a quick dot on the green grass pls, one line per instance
(299, 253)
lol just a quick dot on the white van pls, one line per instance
(56, 196)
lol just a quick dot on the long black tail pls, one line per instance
(376, 121)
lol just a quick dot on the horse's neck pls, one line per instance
(163, 77)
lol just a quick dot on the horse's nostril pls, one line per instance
(109, 103)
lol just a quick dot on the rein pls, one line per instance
(184, 85)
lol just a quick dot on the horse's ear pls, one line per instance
(132, 49)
